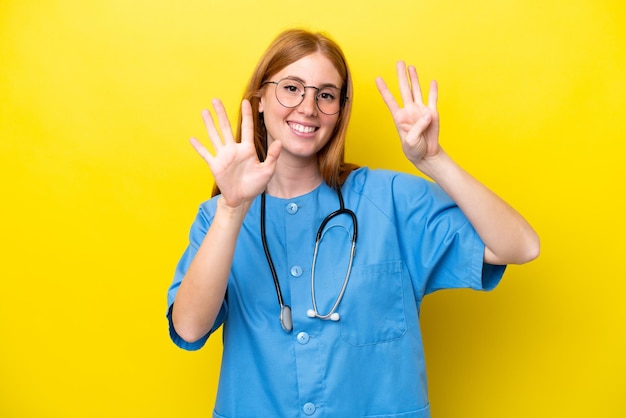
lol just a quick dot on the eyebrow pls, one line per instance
(296, 78)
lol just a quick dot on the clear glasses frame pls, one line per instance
(290, 93)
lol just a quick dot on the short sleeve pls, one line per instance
(441, 248)
(197, 233)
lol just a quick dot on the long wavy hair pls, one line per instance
(287, 48)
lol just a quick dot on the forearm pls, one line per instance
(508, 238)
(202, 290)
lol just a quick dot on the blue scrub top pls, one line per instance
(412, 240)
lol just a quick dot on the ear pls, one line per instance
(261, 105)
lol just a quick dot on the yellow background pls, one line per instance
(99, 187)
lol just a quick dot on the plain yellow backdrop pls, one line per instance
(99, 187)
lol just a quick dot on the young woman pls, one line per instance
(316, 268)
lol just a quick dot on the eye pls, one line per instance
(291, 88)
(327, 95)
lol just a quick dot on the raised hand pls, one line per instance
(416, 122)
(235, 166)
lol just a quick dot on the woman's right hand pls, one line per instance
(236, 168)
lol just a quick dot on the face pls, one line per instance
(303, 130)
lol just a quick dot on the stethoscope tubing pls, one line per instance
(279, 294)
(315, 313)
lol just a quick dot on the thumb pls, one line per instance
(273, 152)
(418, 129)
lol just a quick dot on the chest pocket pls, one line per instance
(372, 310)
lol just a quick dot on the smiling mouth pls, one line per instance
(302, 128)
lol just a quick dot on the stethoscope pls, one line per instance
(285, 317)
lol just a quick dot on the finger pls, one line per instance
(403, 82)
(433, 95)
(387, 96)
(201, 150)
(222, 120)
(416, 89)
(247, 123)
(418, 129)
(214, 136)
(272, 153)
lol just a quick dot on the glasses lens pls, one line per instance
(289, 93)
(328, 100)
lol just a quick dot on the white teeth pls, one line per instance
(302, 129)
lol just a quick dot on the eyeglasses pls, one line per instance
(290, 93)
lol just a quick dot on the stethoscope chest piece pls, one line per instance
(286, 320)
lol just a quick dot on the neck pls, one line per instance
(294, 181)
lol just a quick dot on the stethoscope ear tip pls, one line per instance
(333, 317)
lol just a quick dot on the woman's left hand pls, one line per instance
(416, 122)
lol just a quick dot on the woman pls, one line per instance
(344, 338)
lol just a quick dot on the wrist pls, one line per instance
(437, 166)
(232, 211)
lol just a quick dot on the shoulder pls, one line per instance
(206, 213)
(396, 195)
(209, 207)
(376, 183)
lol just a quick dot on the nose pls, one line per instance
(309, 104)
